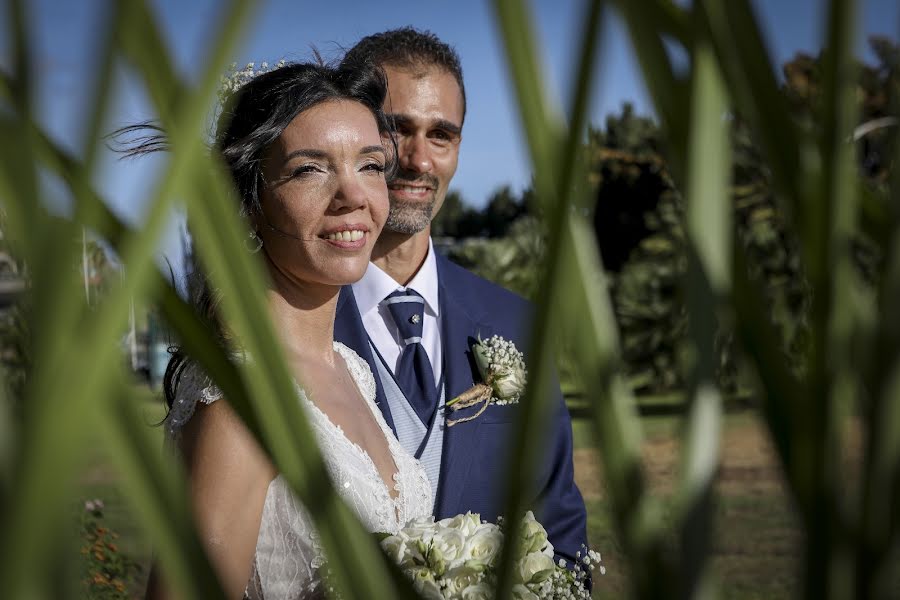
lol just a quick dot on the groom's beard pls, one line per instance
(409, 217)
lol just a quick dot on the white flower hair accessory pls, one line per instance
(236, 78)
(503, 375)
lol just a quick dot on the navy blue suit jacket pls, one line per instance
(475, 453)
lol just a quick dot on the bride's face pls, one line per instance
(325, 199)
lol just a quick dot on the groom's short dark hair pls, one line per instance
(408, 47)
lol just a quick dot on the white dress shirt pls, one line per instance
(375, 286)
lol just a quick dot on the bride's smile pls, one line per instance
(350, 236)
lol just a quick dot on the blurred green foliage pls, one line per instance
(639, 219)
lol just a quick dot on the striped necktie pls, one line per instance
(414, 374)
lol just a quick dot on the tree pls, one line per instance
(511, 261)
(638, 226)
(502, 210)
(456, 218)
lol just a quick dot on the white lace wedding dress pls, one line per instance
(288, 554)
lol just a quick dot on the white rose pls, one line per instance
(479, 591)
(533, 535)
(467, 523)
(421, 521)
(520, 592)
(535, 567)
(414, 552)
(397, 550)
(458, 579)
(548, 550)
(449, 544)
(509, 383)
(421, 528)
(427, 588)
(484, 546)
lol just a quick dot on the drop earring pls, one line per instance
(253, 243)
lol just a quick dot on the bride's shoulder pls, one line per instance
(192, 386)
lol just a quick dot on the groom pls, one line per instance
(415, 315)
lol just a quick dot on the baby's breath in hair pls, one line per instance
(236, 78)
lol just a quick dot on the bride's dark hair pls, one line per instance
(250, 121)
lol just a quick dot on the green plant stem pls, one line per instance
(709, 231)
(556, 162)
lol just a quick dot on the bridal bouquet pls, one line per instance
(458, 558)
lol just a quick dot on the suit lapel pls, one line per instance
(458, 330)
(349, 330)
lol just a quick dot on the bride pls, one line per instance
(308, 147)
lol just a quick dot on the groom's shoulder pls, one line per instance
(475, 289)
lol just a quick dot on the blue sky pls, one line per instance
(492, 153)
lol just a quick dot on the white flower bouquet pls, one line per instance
(457, 558)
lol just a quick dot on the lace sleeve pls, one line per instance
(193, 386)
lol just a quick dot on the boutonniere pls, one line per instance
(503, 376)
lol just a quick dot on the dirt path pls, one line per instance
(748, 466)
(756, 541)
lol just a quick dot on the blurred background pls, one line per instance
(492, 224)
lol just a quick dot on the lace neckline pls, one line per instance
(409, 479)
(365, 384)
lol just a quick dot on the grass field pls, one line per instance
(756, 543)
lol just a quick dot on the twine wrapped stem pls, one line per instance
(480, 393)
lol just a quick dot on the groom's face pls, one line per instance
(426, 107)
